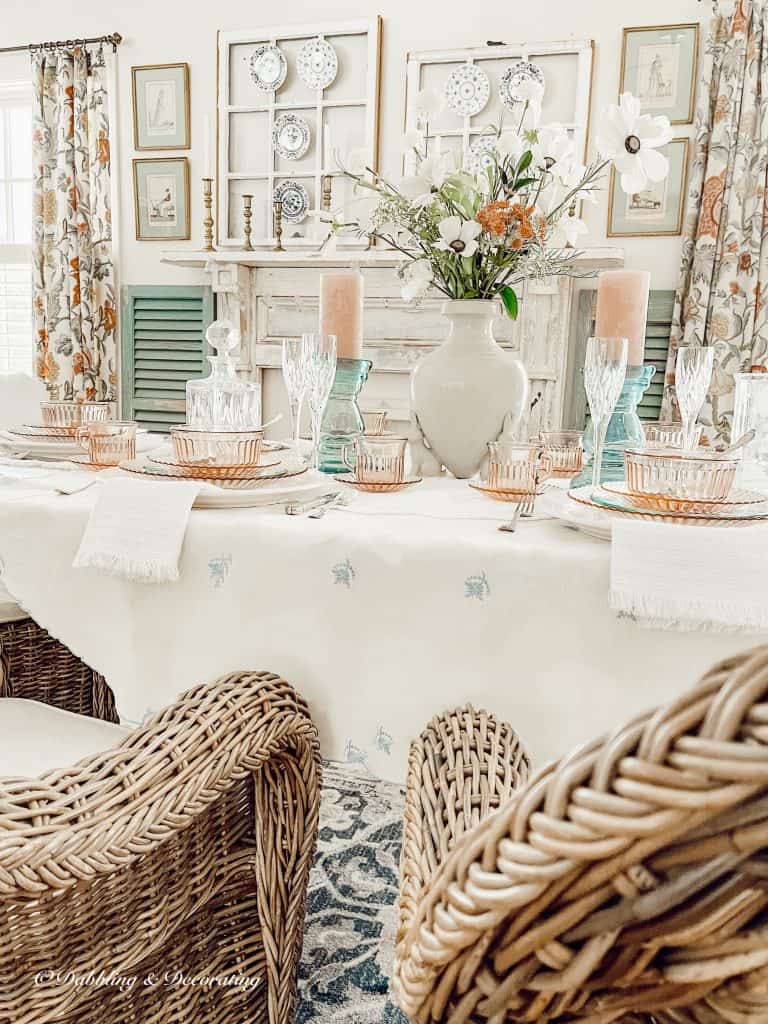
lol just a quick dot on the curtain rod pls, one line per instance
(114, 39)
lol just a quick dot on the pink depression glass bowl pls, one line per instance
(671, 473)
(195, 446)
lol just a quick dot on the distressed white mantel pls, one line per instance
(275, 295)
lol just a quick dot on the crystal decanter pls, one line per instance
(222, 400)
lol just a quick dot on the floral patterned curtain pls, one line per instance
(74, 290)
(723, 293)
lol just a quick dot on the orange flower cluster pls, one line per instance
(496, 217)
(504, 217)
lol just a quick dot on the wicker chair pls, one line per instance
(35, 665)
(628, 882)
(184, 850)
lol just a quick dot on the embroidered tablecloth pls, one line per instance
(380, 615)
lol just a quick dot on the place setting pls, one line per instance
(669, 476)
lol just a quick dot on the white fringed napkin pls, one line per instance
(690, 577)
(136, 529)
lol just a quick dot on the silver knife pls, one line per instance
(299, 508)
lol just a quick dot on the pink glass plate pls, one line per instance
(85, 462)
(500, 494)
(45, 433)
(376, 486)
(740, 516)
(213, 472)
(686, 506)
(262, 474)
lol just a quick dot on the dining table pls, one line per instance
(382, 613)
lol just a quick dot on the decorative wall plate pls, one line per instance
(467, 90)
(290, 136)
(481, 154)
(317, 64)
(268, 67)
(513, 78)
(295, 200)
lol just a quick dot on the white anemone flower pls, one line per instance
(458, 237)
(554, 150)
(418, 278)
(632, 140)
(531, 93)
(419, 188)
(567, 232)
(512, 145)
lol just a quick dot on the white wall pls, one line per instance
(185, 30)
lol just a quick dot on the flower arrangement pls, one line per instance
(477, 233)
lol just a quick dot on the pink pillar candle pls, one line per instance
(622, 309)
(341, 311)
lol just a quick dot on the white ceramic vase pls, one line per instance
(464, 390)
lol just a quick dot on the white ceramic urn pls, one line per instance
(463, 391)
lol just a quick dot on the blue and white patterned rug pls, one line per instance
(351, 905)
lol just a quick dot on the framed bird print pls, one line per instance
(161, 198)
(659, 66)
(161, 106)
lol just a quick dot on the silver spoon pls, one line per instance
(739, 443)
(511, 526)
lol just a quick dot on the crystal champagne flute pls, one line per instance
(693, 373)
(605, 368)
(295, 378)
(321, 371)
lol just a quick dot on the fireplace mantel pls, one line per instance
(273, 295)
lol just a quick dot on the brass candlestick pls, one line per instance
(278, 211)
(247, 200)
(208, 245)
(327, 193)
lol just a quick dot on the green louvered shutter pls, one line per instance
(163, 343)
(661, 306)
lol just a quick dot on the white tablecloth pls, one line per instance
(380, 615)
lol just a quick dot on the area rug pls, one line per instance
(351, 904)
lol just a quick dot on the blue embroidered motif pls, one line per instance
(218, 569)
(353, 754)
(477, 587)
(383, 741)
(344, 574)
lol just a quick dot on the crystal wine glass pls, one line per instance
(605, 368)
(321, 370)
(295, 377)
(693, 373)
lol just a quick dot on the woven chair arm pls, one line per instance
(464, 765)
(616, 880)
(110, 808)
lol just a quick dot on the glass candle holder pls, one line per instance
(624, 430)
(342, 421)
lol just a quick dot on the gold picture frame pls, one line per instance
(690, 64)
(155, 87)
(621, 226)
(153, 219)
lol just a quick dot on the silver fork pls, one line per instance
(511, 526)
